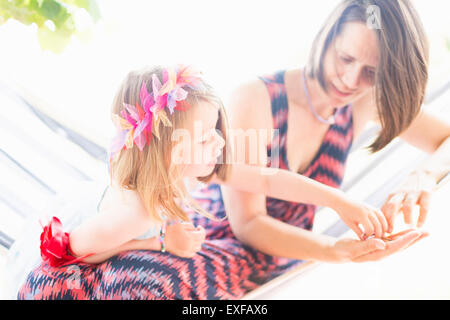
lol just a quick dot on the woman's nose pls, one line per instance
(351, 78)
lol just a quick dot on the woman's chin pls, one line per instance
(338, 100)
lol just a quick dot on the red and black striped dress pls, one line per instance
(225, 268)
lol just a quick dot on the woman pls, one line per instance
(352, 69)
(355, 74)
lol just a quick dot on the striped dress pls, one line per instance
(225, 268)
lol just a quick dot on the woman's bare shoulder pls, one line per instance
(248, 105)
(249, 92)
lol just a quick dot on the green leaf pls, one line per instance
(34, 18)
(91, 7)
(35, 4)
(53, 10)
(54, 41)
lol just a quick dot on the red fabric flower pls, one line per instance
(55, 248)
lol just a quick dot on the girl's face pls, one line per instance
(350, 64)
(198, 144)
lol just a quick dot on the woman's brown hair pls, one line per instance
(402, 73)
(149, 172)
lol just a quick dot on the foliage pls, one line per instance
(54, 18)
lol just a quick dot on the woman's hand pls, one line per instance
(349, 250)
(183, 239)
(416, 190)
(355, 213)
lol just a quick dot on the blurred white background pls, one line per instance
(229, 41)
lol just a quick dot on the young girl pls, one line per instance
(145, 207)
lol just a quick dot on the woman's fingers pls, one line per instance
(382, 219)
(399, 234)
(423, 235)
(368, 227)
(424, 203)
(378, 230)
(356, 229)
(399, 243)
(391, 207)
(408, 206)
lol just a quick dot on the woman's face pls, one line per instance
(200, 145)
(350, 64)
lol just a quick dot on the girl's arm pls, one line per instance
(284, 185)
(182, 239)
(147, 244)
(115, 231)
(111, 231)
(290, 186)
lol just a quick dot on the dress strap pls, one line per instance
(279, 103)
(101, 198)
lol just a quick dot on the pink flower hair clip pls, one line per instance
(137, 124)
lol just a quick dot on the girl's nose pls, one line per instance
(220, 143)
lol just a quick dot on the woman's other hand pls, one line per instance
(416, 190)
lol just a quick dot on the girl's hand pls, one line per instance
(416, 190)
(348, 250)
(183, 239)
(355, 213)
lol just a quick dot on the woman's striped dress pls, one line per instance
(224, 268)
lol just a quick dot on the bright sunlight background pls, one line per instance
(229, 41)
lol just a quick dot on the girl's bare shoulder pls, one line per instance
(121, 201)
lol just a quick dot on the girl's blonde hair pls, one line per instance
(149, 172)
